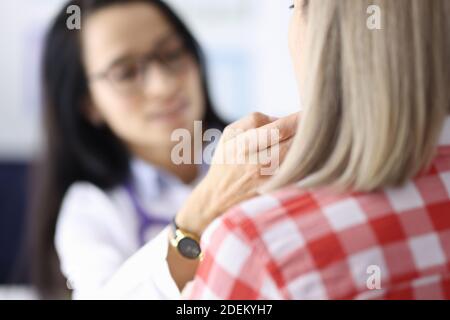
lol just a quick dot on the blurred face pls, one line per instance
(143, 81)
(297, 33)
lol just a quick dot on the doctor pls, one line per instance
(115, 91)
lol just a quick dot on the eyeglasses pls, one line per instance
(128, 76)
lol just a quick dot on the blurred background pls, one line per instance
(250, 70)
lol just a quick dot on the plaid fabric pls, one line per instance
(319, 245)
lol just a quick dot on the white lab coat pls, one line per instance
(97, 231)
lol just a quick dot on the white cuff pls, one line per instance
(145, 275)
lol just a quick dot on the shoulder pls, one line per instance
(241, 245)
(90, 211)
(92, 225)
(310, 237)
(85, 198)
(293, 222)
(251, 219)
(82, 193)
(293, 210)
(264, 223)
(286, 235)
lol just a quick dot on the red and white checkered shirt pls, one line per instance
(290, 244)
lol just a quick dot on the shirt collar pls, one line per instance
(145, 177)
(444, 139)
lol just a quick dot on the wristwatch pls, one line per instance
(187, 244)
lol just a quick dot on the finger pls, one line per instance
(252, 121)
(264, 137)
(286, 126)
(277, 151)
(271, 159)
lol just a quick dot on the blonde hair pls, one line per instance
(374, 100)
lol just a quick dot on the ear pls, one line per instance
(92, 113)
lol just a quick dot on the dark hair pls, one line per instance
(76, 150)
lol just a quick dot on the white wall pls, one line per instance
(245, 41)
(21, 27)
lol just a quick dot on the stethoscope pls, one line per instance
(146, 220)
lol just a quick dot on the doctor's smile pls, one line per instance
(169, 112)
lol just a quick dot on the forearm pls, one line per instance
(189, 219)
(181, 268)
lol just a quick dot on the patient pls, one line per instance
(360, 209)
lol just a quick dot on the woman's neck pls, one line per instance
(161, 157)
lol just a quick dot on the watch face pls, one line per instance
(189, 248)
